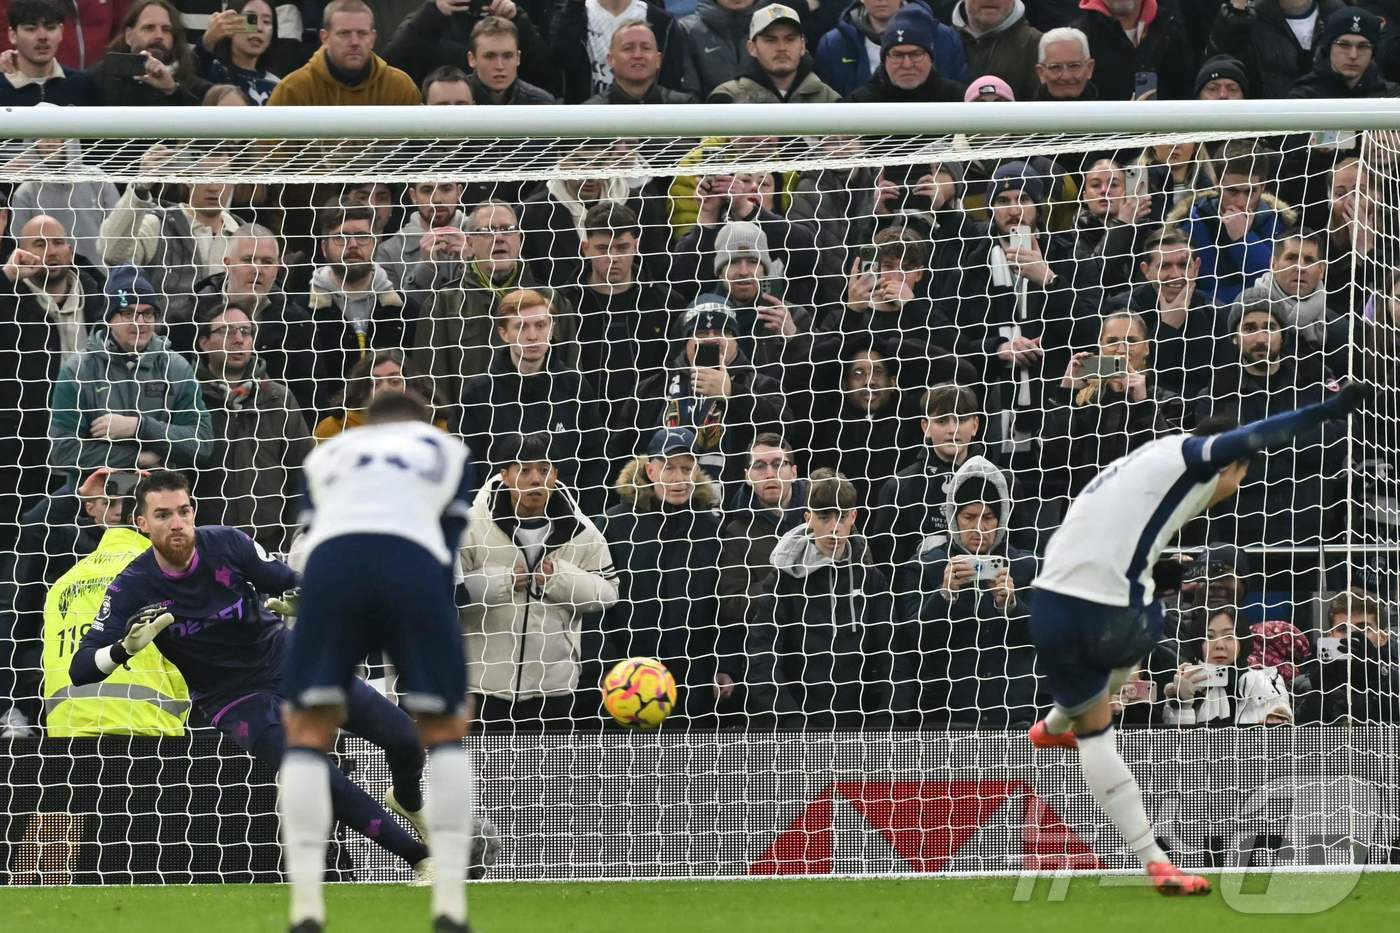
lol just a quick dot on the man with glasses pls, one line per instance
(354, 305)
(1348, 69)
(906, 71)
(458, 332)
(260, 439)
(1065, 67)
(128, 401)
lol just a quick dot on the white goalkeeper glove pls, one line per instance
(284, 605)
(143, 627)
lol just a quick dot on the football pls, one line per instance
(639, 693)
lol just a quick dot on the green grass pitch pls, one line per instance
(987, 905)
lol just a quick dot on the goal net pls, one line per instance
(814, 404)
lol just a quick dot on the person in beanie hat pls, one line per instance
(907, 71)
(128, 401)
(1222, 78)
(1275, 40)
(1345, 63)
(754, 291)
(742, 239)
(846, 55)
(1016, 176)
(988, 88)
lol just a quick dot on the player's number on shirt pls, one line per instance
(432, 473)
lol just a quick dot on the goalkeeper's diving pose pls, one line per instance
(195, 595)
(1096, 613)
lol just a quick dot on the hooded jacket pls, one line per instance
(557, 400)
(1259, 36)
(1165, 49)
(754, 86)
(313, 85)
(977, 662)
(751, 531)
(1228, 267)
(524, 643)
(259, 442)
(823, 646)
(717, 45)
(1009, 50)
(157, 385)
(843, 61)
(668, 560)
(81, 206)
(390, 320)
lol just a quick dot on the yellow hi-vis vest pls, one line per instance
(145, 696)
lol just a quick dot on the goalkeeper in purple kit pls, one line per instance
(195, 594)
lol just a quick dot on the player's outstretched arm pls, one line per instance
(107, 646)
(1214, 453)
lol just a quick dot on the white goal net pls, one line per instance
(814, 403)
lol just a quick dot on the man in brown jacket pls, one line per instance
(999, 41)
(345, 71)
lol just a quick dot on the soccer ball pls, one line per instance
(639, 693)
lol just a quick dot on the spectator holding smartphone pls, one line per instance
(1215, 688)
(236, 46)
(970, 596)
(148, 63)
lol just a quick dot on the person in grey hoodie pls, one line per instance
(824, 649)
(717, 43)
(999, 41)
(438, 220)
(80, 206)
(128, 402)
(969, 599)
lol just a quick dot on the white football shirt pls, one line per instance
(1116, 528)
(402, 478)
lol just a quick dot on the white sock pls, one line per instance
(1117, 792)
(305, 808)
(449, 813)
(1057, 721)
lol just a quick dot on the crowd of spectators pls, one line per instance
(801, 435)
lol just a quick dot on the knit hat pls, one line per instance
(988, 84)
(1280, 645)
(1016, 176)
(958, 172)
(1222, 66)
(126, 288)
(709, 313)
(977, 490)
(912, 25)
(742, 239)
(1351, 21)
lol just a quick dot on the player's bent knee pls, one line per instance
(1094, 720)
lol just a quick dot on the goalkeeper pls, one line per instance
(194, 594)
(1096, 613)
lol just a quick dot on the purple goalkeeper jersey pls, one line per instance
(222, 640)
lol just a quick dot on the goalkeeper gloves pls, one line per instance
(143, 627)
(284, 605)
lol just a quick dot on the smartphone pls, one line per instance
(707, 355)
(1102, 366)
(987, 568)
(1341, 140)
(1331, 649)
(124, 64)
(1135, 181)
(1019, 237)
(1145, 82)
(1138, 691)
(1217, 675)
(476, 9)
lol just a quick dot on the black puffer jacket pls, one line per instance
(1165, 49)
(1261, 39)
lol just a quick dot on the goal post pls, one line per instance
(966, 311)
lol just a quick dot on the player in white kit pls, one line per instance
(387, 504)
(1096, 615)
